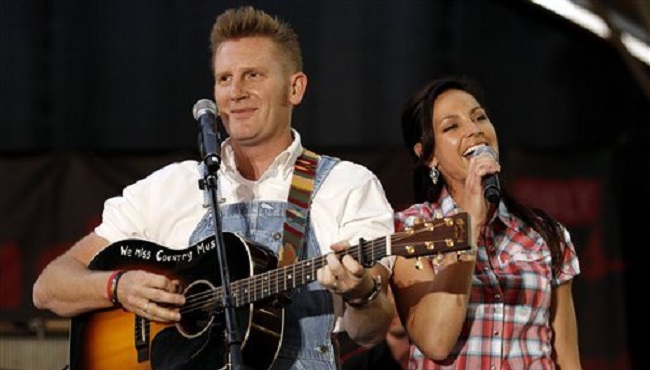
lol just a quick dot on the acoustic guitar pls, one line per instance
(116, 339)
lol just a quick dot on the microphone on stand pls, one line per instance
(491, 187)
(205, 113)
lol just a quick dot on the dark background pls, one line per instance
(96, 94)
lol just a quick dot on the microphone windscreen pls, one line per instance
(204, 106)
(486, 149)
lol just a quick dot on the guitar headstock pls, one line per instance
(433, 237)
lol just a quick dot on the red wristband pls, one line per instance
(111, 286)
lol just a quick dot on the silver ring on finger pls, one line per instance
(146, 307)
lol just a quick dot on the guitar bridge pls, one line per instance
(142, 327)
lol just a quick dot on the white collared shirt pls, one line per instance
(166, 206)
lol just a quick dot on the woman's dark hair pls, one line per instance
(417, 127)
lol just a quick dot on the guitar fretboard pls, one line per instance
(431, 238)
(270, 283)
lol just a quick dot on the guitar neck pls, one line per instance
(270, 283)
(434, 237)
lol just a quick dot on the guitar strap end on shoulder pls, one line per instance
(299, 201)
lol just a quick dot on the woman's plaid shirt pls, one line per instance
(507, 324)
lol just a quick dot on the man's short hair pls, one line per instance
(250, 22)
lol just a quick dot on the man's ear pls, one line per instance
(298, 87)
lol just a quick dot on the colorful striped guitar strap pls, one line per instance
(297, 215)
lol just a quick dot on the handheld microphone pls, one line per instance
(204, 112)
(491, 187)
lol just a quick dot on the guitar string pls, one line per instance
(198, 300)
(259, 280)
(256, 284)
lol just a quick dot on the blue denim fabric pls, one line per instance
(309, 318)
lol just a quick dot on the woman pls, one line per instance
(506, 305)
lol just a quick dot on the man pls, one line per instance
(257, 66)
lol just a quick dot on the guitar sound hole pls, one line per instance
(196, 314)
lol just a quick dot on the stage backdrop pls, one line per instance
(52, 200)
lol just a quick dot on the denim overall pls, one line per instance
(309, 318)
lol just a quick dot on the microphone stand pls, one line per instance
(210, 149)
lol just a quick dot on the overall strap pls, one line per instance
(297, 215)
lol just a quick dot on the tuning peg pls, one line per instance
(418, 263)
(438, 259)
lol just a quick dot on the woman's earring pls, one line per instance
(435, 175)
